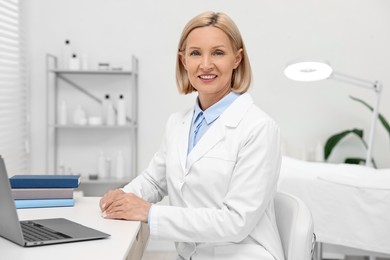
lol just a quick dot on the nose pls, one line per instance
(206, 63)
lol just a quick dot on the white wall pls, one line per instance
(354, 35)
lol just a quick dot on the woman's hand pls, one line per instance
(108, 198)
(120, 205)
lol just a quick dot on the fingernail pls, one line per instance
(104, 205)
(104, 214)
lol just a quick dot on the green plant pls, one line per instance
(336, 138)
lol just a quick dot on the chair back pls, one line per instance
(295, 225)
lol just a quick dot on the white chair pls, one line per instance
(295, 225)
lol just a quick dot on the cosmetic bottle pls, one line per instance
(120, 166)
(110, 112)
(63, 113)
(104, 108)
(74, 62)
(101, 166)
(108, 167)
(121, 115)
(79, 116)
(66, 54)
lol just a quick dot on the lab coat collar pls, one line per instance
(236, 111)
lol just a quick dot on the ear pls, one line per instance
(182, 59)
(238, 58)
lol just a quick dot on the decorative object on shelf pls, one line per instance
(109, 111)
(66, 54)
(74, 63)
(121, 109)
(65, 143)
(79, 116)
(319, 70)
(95, 120)
(104, 66)
(336, 138)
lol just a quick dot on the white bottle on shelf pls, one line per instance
(101, 166)
(105, 101)
(63, 114)
(110, 112)
(108, 167)
(120, 166)
(79, 116)
(66, 54)
(74, 62)
(121, 116)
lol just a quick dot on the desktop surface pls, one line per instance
(86, 212)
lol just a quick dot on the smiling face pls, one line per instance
(209, 60)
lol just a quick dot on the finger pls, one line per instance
(108, 198)
(115, 215)
(118, 202)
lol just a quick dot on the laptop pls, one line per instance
(39, 232)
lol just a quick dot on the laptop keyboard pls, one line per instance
(35, 232)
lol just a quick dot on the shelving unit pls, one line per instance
(75, 148)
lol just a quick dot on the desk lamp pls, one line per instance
(319, 70)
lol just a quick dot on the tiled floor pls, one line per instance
(159, 255)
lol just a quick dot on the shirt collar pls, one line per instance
(213, 112)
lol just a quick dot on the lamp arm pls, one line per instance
(375, 85)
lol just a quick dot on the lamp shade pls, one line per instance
(308, 70)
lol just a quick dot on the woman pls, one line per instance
(219, 161)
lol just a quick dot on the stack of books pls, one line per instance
(41, 191)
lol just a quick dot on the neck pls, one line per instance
(207, 100)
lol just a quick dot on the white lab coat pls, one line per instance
(221, 194)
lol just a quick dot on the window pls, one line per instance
(14, 127)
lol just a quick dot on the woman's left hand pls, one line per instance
(128, 206)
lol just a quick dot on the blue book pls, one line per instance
(44, 181)
(43, 203)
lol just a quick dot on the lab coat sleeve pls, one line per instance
(252, 187)
(151, 184)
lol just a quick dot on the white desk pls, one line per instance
(126, 240)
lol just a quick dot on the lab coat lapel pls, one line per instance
(183, 138)
(208, 141)
(229, 118)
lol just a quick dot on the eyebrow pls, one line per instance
(214, 47)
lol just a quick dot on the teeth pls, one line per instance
(207, 76)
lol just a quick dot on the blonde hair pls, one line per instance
(242, 75)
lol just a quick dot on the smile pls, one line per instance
(207, 76)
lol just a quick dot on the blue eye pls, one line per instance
(194, 53)
(219, 53)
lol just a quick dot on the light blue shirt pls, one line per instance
(203, 120)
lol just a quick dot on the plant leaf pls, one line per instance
(359, 161)
(335, 139)
(382, 119)
(354, 160)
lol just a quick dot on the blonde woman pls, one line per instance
(219, 161)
